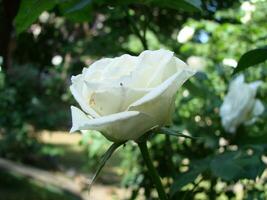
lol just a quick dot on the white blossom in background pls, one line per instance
(230, 62)
(246, 18)
(240, 105)
(57, 60)
(196, 62)
(185, 34)
(238, 189)
(44, 17)
(36, 29)
(126, 96)
(186, 93)
(248, 8)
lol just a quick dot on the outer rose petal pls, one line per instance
(81, 94)
(154, 67)
(123, 126)
(158, 103)
(98, 65)
(258, 108)
(238, 80)
(254, 85)
(108, 69)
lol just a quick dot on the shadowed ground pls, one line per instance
(70, 181)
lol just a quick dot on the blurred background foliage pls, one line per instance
(43, 43)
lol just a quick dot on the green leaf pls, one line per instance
(196, 88)
(237, 165)
(194, 4)
(197, 167)
(224, 166)
(187, 5)
(29, 11)
(104, 159)
(251, 58)
(168, 131)
(182, 180)
(78, 6)
(76, 11)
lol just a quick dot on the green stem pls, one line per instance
(135, 29)
(152, 171)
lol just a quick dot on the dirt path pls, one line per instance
(98, 191)
(59, 137)
(41, 176)
(68, 179)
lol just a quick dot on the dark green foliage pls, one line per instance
(251, 58)
(241, 164)
(11, 185)
(29, 11)
(197, 167)
(35, 93)
(80, 5)
(188, 5)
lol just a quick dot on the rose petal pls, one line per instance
(120, 66)
(258, 108)
(239, 80)
(158, 103)
(254, 85)
(98, 65)
(153, 67)
(123, 126)
(81, 94)
(110, 100)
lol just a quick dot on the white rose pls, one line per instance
(185, 34)
(126, 96)
(197, 63)
(230, 62)
(240, 105)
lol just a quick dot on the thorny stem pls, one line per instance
(152, 171)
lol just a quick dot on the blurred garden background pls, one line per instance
(43, 43)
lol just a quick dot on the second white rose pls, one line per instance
(240, 105)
